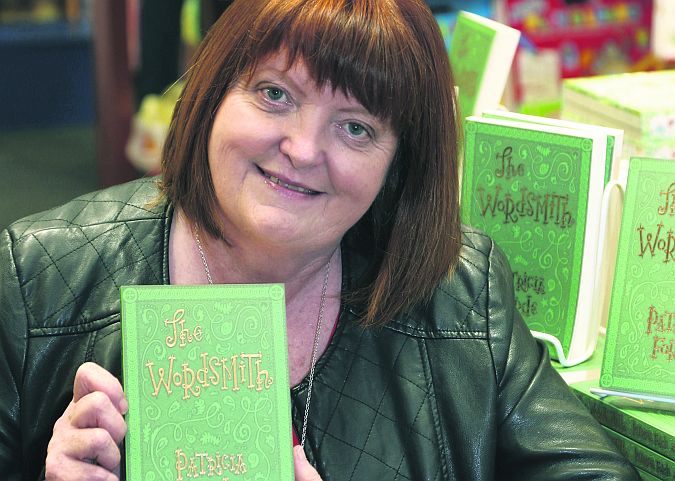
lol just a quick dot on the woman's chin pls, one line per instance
(281, 232)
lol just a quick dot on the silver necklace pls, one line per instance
(317, 332)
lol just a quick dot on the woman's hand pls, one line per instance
(303, 470)
(85, 443)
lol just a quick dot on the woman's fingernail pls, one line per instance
(299, 453)
(123, 406)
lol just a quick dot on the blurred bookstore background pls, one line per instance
(87, 86)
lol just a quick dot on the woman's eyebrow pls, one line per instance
(295, 84)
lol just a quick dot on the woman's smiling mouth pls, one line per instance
(295, 188)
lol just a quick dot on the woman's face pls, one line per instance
(294, 165)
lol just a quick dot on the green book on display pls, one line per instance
(206, 375)
(614, 168)
(536, 189)
(639, 360)
(481, 54)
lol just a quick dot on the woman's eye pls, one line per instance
(274, 93)
(356, 130)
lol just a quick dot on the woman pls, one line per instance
(315, 144)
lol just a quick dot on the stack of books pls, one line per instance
(643, 433)
(641, 104)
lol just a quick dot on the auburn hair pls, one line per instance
(390, 56)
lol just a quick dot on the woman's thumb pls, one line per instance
(303, 470)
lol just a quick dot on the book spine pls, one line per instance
(645, 476)
(130, 375)
(639, 431)
(642, 457)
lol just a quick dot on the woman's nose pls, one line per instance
(304, 140)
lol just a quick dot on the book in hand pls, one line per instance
(481, 54)
(205, 373)
(536, 189)
(639, 360)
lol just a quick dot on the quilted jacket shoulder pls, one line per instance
(65, 251)
(464, 292)
(60, 273)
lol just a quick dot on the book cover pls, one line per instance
(635, 419)
(643, 458)
(481, 53)
(639, 352)
(606, 253)
(536, 190)
(206, 375)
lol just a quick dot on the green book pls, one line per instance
(635, 419)
(606, 258)
(536, 189)
(206, 375)
(481, 54)
(639, 359)
(643, 458)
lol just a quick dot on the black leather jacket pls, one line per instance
(456, 389)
